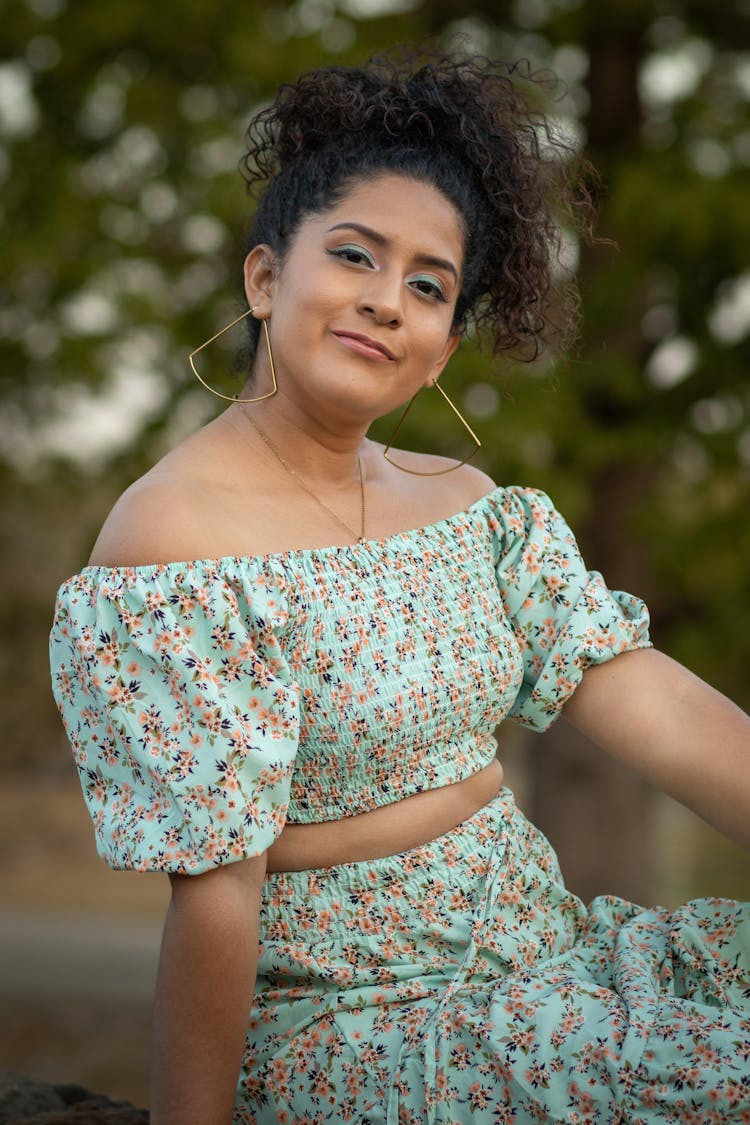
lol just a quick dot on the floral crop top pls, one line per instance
(209, 702)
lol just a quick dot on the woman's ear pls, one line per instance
(450, 346)
(261, 270)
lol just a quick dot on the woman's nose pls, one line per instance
(382, 299)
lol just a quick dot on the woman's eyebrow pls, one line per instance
(381, 240)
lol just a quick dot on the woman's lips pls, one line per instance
(365, 346)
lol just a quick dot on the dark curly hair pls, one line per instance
(458, 123)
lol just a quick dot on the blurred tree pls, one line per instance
(120, 128)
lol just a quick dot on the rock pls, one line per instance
(28, 1101)
(21, 1097)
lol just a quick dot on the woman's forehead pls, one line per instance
(399, 209)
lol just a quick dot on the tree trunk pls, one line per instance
(599, 815)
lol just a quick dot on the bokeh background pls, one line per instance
(123, 218)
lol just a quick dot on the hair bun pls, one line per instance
(389, 99)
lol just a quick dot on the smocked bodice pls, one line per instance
(208, 702)
(403, 669)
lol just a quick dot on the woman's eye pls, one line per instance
(430, 287)
(355, 255)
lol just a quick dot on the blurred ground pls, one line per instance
(78, 946)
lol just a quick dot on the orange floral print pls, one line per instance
(209, 702)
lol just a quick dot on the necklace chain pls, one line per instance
(303, 483)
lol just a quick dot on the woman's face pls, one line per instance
(362, 307)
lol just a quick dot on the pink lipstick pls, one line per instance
(364, 345)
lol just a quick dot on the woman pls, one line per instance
(281, 671)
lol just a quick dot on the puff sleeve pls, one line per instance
(564, 617)
(180, 710)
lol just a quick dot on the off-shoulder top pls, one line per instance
(209, 702)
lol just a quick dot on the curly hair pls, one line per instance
(460, 124)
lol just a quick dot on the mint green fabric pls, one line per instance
(208, 702)
(461, 983)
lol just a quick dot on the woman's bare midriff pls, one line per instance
(385, 831)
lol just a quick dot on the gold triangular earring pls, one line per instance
(437, 472)
(233, 398)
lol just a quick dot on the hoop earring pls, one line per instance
(233, 398)
(437, 472)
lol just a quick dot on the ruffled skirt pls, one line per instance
(461, 982)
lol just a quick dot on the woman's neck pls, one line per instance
(328, 457)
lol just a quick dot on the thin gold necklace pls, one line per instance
(303, 483)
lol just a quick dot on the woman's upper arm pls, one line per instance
(638, 706)
(675, 730)
(242, 881)
(181, 710)
(564, 617)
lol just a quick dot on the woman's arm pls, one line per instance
(675, 730)
(204, 991)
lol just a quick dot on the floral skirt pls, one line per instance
(461, 982)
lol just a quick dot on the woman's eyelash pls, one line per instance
(349, 252)
(436, 290)
(352, 251)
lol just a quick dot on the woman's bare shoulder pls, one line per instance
(152, 522)
(170, 513)
(443, 483)
(474, 483)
